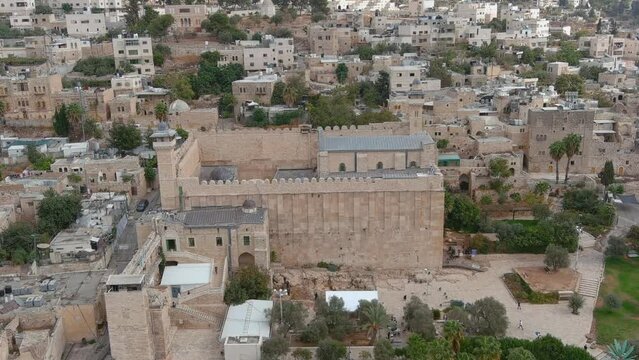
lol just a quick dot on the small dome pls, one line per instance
(178, 106)
(248, 204)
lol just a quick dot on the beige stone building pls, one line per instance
(269, 53)
(374, 215)
(86, 25)
(97, 101)
(187, 18)
(135, 50)
(331, 41)
(255, 88)
(29, 98)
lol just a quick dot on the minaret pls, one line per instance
(164, 145)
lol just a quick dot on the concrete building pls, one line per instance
(134, 50)
(269, 53)
(23, 7)
(331, 41)
(187, 18)
(86, 25)
(393, 207)
(255, 88)
(29, 98)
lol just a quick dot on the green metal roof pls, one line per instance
(448, 157)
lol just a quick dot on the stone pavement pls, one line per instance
(196, 344)
(457, 284)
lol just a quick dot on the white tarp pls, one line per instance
(186, 274)
(248, 319)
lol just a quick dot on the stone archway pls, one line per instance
(620, 171)
(246, 259)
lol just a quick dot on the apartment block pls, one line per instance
(134, 50)
(257, 88)
(269, 53)
(86, 25)
(17, 6)
(29, 98)
(331, 41)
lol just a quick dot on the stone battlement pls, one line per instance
(352, 129)
(305, 180)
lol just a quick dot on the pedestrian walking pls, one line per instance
(521, 325)
(518, 305)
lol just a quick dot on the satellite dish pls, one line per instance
(43, 246)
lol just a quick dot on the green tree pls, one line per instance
(182, 133)
(315, 331)
(293, 316)
(572, 143)
(226, 105)
(249, 282)
(607, 176)
(124, 137)
(61, 124)
(150, 174)
(487, 349)
(277, 98)
(461, 213)
(569, 53)
(383, 350)
(74, 114)
(302, 354)
(569, 82)
(487, 316)
(259, 118)
(17, 242)
(274, 348)
(341, 71)
(541, 188)
(556, 257)
(329, 349)
(520, 354)
(160, 53)
(132, 16)
(335, 315)
(575, 302)
(591, 72)
(95, 66)
(442, 144)
(67, 8)
(419, 318)
(499, 168)
(290, 95)
(220, 25)
(43, 9)
(438, 70)
(3, 109)
(373, 317)
(416, 348)
(439, 349)
(382, 85)
(616, 246)
(39, 160)
(454, 332)
(557, 151)
(319, 6)
(57, 212)
(161, 111)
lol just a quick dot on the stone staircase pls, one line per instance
(200, 315)
(199, 291)
(589, 287)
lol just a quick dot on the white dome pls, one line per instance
(178, 106)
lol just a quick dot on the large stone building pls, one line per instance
(316, 186)
(29, 98)
(187, 18)
(135, 50)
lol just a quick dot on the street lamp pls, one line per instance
(280, 293)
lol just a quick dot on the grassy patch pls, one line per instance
(622, 279)
(527, 224)
(523, 293)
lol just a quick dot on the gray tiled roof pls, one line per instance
(374, 143)
(221, 216)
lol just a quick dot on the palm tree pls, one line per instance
(161, 112)
(454, 332)
(571, 145)
(375, 318)
(557, 151)
(621, 351)
(290, 95)
(74, 114)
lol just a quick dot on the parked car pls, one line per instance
(142, 204)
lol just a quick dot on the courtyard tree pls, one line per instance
(329, 349)
(124, 137)
(557, 151)
(274, 348)
(335, 316)
(487, 316)
(499, 168)
(572, 143)
(373, 317)
(454, 332)
(341, 72)
(461, 213)
(520, 354)
(419, 318)
(56, 212)
(249, 282)
(556, 257)
(161, 111)
(575, 302)
(315, 331)
(383, 350)
(293, 316)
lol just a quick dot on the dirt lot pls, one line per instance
(541, 281)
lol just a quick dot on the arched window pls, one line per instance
(380, 165)
(342, 167)
(412, 164)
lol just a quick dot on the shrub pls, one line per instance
(516, 197)
(482, 244)
(486, 200)
(328, 266)
(575, 303)
(613, 301)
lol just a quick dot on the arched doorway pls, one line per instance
(246, 259)
(464, 182)
(621, 170)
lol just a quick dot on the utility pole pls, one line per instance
(280, 293)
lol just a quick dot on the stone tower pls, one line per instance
(164, 144)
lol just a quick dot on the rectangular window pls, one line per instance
(191, 242)
(170, 245)
(247, 240)
(218, 241)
